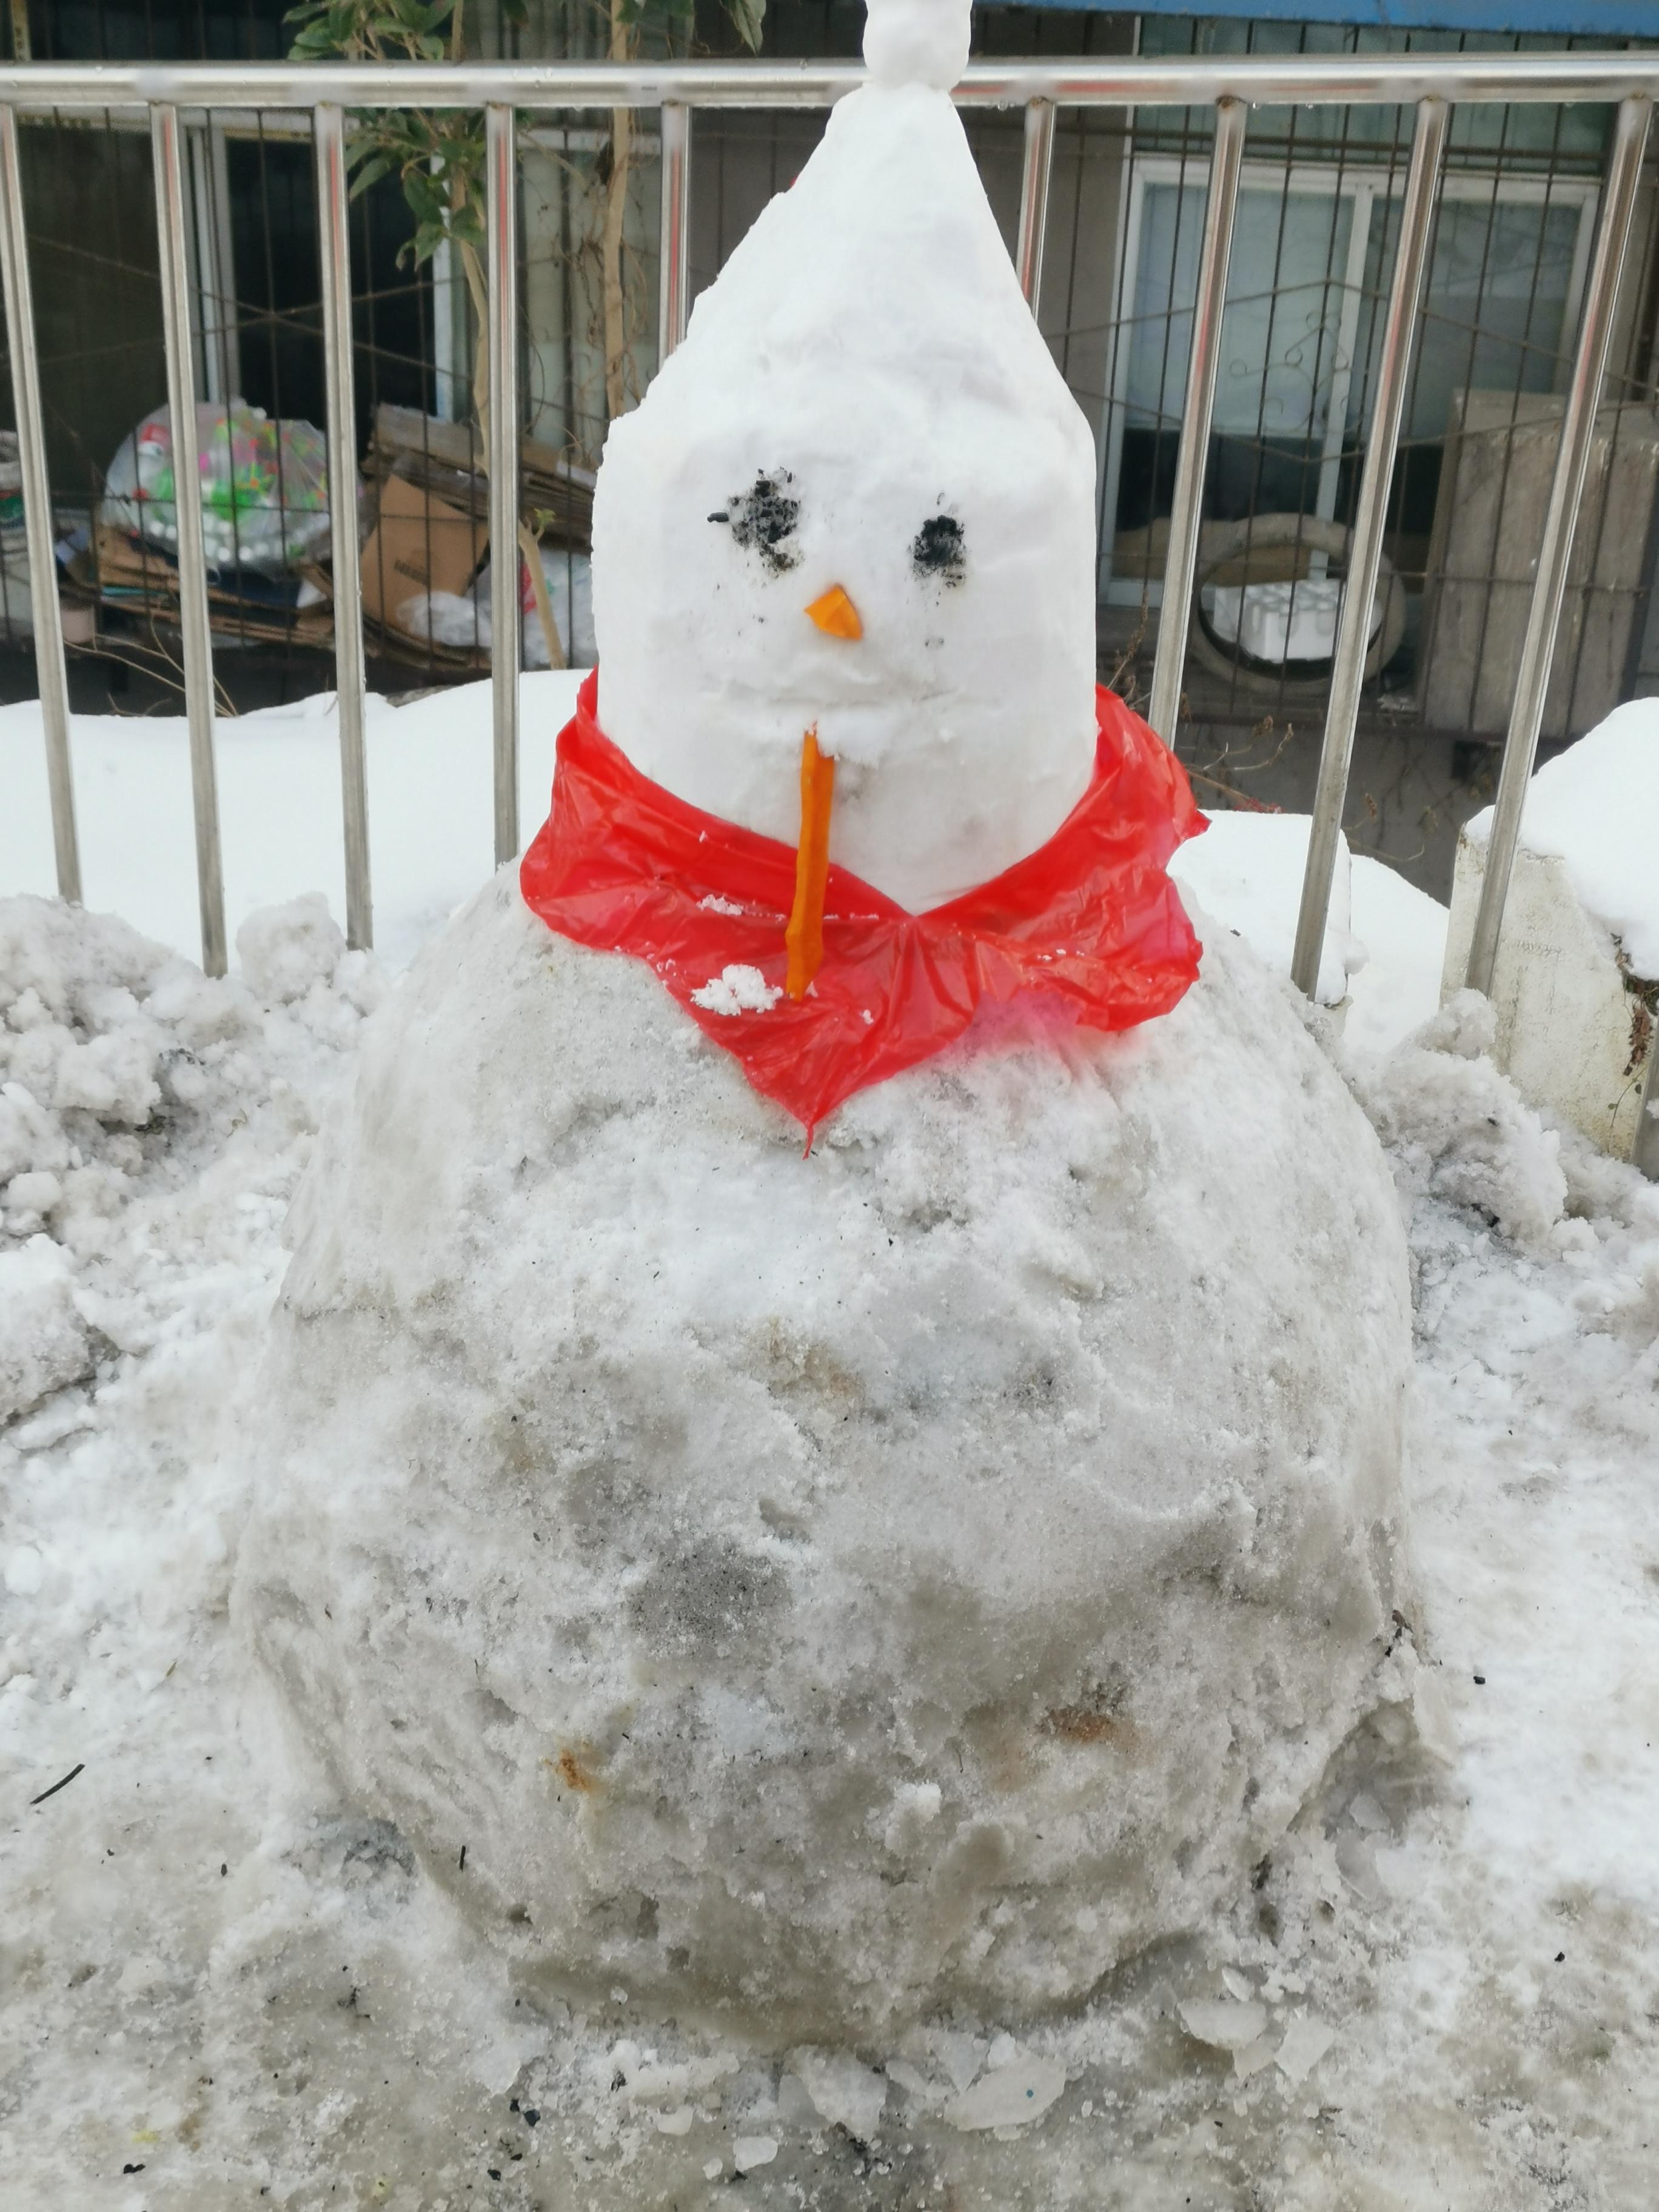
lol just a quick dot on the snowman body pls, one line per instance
(824, 1595)
(816, 1594)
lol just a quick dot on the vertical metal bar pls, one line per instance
(1037, 168)
(1566, 491)
(230, 337)
(674, 265)
(1353, 629)
(505, 606)
(203, 242)
(335, 239)
(1186, 506)
(165, 145)
(1645, 1151)
(37, 511)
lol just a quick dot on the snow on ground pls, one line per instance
(1385, 940)
(429, 807)
(224, 1985)
(1594, 807)
(431, 838)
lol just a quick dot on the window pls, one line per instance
(1307, 289)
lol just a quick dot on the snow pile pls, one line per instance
(235, 1982)
(430, 818)
(121, 1066)
(863, 399)
(1247, 870)
(1576, 980)
(1385, 941)
(1595, 808)
(816, 1592)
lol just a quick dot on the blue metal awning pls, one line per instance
(1585, 18)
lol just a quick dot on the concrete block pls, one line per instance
(1574, 1026)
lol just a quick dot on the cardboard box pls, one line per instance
(420, 543)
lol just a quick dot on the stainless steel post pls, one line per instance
(1186, 509)
(1566, 491)
(335, 243)
(1353, 628)
(1646, 1152)
(165, 144)
(674, 287)
(1034, 197)
(505, 605)
(50, 671)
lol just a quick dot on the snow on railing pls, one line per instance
(501, 90)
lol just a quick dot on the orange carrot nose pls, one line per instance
(836, 614)
(804, 938)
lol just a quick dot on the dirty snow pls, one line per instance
(224, 1985)
(824, 1597)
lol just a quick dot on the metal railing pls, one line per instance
(1433, 85)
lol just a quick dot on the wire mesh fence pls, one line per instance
(1320, 198)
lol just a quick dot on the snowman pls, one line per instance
(813, 1593)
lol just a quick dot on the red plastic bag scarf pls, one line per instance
(1089, 920)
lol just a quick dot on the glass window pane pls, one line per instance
(1284, 299)
(1494, 310)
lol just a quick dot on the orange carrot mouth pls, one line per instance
(804, 938)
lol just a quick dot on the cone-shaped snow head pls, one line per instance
(863, 402)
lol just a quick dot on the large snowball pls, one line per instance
(821, 1591)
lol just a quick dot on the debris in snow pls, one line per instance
(750, 2151)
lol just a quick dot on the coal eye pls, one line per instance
(763, 521)
(939, 552)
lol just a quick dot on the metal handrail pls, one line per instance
(1228, 84)
(1283, 80)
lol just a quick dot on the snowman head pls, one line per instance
(859, 499)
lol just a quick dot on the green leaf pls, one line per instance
(747, 18)
(379, 166)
